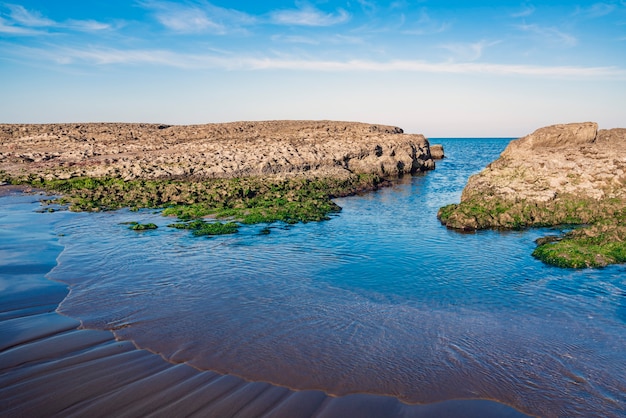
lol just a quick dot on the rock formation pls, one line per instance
(546, 169)
(562, 174)
(436, 151)
(227, 150)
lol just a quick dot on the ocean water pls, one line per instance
(380, 299)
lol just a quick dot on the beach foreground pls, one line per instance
(50, 366)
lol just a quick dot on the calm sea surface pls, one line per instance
(380, 299)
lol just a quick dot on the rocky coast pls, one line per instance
(569, 175)
(248, 171)
(224, 150)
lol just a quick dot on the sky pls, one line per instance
(440, 68)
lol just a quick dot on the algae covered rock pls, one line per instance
(201, 228)
(142, 227)
(572, 174)
(252, 172)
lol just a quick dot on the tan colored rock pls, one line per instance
(562, 159)
(436, 151)
(554, 137)
(551, 170)
(239, 149)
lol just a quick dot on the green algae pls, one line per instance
(142, 227)
(573, 253)
(596, 245)
(244, 200)
(599, 239)
(201, 228)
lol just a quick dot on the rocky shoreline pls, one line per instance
(571, 174)
(223, 150)
(289, 171)
(248, 171)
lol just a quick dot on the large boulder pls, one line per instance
(556, 136)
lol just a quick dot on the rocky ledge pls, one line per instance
(250, 172)
(572, 174)
(226, 150)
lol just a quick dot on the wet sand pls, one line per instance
(49, 366)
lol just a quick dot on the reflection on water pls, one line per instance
(380, 299)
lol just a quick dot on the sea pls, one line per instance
(380, 299)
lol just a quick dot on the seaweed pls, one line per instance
(246, 200)
(202, 228)
(142, 227)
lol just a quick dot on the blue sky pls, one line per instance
(441, 68)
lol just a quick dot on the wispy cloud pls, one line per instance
(203, 17)
(430, 30)
(447, 67)
(198, 17)
(525, 12)
(182, 18)
(318, 40)
(30, 23)
(549, 34)
(188, 20)
(21, 22)
(595, 10)
(468, 51)
(87, 25)
(308, 16)
(296, 39)
(403, 4)
(368, 6)
(9, 29)
(111, 56)
(426, 25)
(28, 18)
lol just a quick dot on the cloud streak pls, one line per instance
(596, 10)
(445, 67)
(23, 22)
(27, 18)
(9, 29)
(189, 21)
(308, 16)
(468, 51)
(166, 58)
(549, 34)
(527, 11)
(87, 25)
(197, 17)
(426, 25)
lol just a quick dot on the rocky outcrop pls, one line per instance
(436, 151)
(554, 137)
(562, 174)
(228, 150)
(546, 169)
